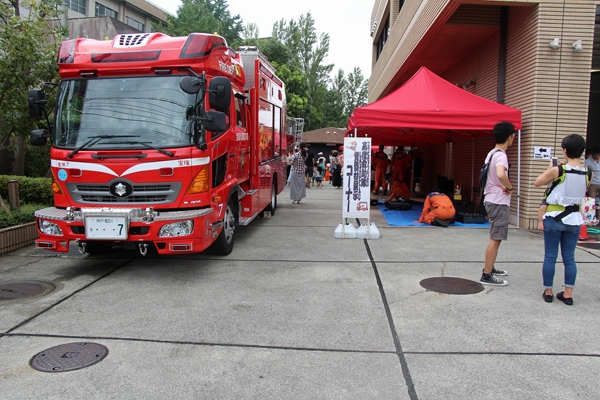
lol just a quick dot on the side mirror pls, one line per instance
(192, 85)
(216, 121)
(37, 102)
(38, 137)
(219, 92)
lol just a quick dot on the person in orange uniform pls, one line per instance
(399, 189)
(437, 209)
(398, 164)
(381, 162)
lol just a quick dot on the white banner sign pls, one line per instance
(356, 176)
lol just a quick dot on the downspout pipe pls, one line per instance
(503, 49)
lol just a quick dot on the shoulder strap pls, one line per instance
(562, 170)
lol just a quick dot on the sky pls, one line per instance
(347, 23)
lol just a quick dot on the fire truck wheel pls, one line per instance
(224, 243)
(98, 247)
(273, 205)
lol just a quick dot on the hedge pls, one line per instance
(20, 216)
(31, 190)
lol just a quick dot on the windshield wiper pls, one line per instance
(145, 144)
(95, 139)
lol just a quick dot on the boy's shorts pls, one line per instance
(319, 179)
(499, 216)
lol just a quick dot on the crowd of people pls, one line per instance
(569, 181)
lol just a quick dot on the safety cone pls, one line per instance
(584, 236)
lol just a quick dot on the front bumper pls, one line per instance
(143, 226)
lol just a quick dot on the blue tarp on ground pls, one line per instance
(410, 217)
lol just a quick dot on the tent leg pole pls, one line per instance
(472, 166)
(519, 179)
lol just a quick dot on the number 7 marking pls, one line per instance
(120, 229)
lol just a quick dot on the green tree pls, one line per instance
(355, 92)
(308, 53)
(333, 111)
(208, 16)
(28, 49)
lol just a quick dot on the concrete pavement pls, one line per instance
(293, 313)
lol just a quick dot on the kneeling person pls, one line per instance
(399, 190)
(437, 209)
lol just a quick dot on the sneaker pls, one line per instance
(489, 279)
(499, 272)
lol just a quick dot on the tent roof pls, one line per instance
(429, 109)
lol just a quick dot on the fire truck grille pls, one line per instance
(157, 193)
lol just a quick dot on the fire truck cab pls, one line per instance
(158, 141)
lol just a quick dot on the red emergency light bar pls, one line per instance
(125, 57)
(200, 45)
(66, 54)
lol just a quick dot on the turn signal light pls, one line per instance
(55, 186)
(200, 182)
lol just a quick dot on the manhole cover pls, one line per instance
(450, 285)
(24, 290)
(593, 245)
(69, 357)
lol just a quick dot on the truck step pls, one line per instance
(246, 220)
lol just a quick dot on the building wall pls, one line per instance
(550, 87)
(139, 10)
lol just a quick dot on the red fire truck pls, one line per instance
(160, 141)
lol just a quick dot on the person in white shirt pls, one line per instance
(593, 164)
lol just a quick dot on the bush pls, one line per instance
(20, 216)
(31, 190)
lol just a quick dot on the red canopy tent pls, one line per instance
(429, 110)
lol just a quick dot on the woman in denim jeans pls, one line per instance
(562, 218)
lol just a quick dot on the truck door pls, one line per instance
(241, 160)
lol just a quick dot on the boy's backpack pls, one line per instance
(483, 173)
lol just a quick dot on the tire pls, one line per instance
(273, 204)
(93, 248)
(224, 243)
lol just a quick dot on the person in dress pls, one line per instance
(298, 182)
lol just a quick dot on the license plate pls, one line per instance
(104, 227)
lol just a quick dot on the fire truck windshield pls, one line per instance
(153, 109)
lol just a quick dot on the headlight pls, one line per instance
(49, 228)
(182, 228)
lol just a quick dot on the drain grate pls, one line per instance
(69, 357)
(449, 285)
(590, 245)
(24, 290)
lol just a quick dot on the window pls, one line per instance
(103, 11)
(77, 5)
(135, 24)
(239, 112)
(383, 37)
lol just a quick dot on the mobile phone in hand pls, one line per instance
(554, 162)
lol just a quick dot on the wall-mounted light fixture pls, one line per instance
(466, 85)
(578, 45)
(555, 44)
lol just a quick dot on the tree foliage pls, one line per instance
(208, 16)
(28, 50)
(308, 52)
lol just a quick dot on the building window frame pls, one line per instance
(102, 11)
(134, 24)
(77, 6)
